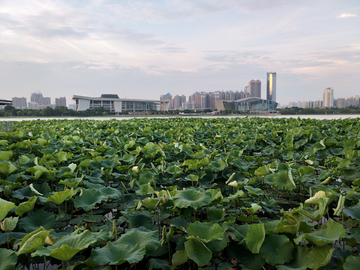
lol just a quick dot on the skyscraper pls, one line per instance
(271, 86)
(255, 88)
(328, 98)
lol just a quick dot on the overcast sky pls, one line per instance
(142, 49)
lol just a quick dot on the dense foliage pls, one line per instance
(246, 193)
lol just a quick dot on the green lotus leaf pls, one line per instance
(283, 180)
(262, 171)
(175, 170)
(254, 191)
(252, 210)
(66, 171)
(3, 142)
(314, 199)
(330, 232)
(205, 231)
(142, 236)
(67, 246)
(343, 164)
(319, 256)
(180, 223)
(238, 232)
(110, 192)
(215, 194)
(62, 156)
(353, 211)
(146, 177)
(60, 196)
(5, 207)
(138, 219)
(351, 174)
(306, 170)
(8, 259)
(298, 262)
(319, 213)
(352, 262)
(179, 257)
(9, 224)
(150, 203)
(116, 254)
(37, 219)
(198, 252)
(5, 155)
(158, 264)
(110, 163)
(217, 166)
(7, 168)
(277, 249)
(128, 158)
(72, 182)
(42, 171)
(33, 241)
(26, 206)
(204, 162)
(192, 177)
(255, 237)
(216, 214)
(191, 198)
(145, 189)
(88, 199)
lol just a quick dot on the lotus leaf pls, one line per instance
(143, 237)
(42, 171)
(255, 237)
(216, 214)
(352, 262)
(138, 219)
(8, 259)
(26, 206)
(277, 249)
(5, 155)
(7, 168)
(33, 241)
(9, 224)
(298, 262)
(353, 211)
(198, 252)
(283, 180)
(205, 231)
(5, 207)
(238, 232)
(88, 199)
(319, 256)
(159, 264)
(191, 198)
(37, 219)
(60, 196)
(72, 182)
(67, 246)
(179, 257)
(330, 232)
(217, 165)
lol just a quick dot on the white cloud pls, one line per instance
(346, 15)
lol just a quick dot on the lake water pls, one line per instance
(320, 117)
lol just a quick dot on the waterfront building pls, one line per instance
(38, 98)
(19, 103)
(251, 104)
(166, 101)
(60, 101)
(114, 104)
(255, 88)
(271, 86)
(328, 98)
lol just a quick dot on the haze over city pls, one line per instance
(143, 49)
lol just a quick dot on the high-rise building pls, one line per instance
(19, 103)
(271, 86)
(60, 101)
(165, 102)
(255, 88)
(328, 98)
(38, 98)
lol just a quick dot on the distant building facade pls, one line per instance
(113, 103)
(19, 103)
(328, 98)
(60, 101)
(38, 98)
(271, 86)
(255, 88)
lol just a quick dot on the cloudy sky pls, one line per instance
(142, 49)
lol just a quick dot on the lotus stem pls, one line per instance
(92, 219)
(7, 239)
(59, 217)
(67, 262)
(45, 266)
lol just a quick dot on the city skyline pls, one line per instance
(147, 48)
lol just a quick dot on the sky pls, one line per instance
(143, 49)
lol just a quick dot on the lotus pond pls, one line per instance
(240, 193)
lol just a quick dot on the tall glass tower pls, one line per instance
(271, 86)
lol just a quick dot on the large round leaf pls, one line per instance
(33, 241)
(352, 262)
(298, 262)
(255, 237)
(277, 249)
(116, 254)
(191, 198)
(26, 206)
(38, 219)
(60, 196)
(88, 199)
(353, 212)
(206, 231)
(143, 237)
(198, 252)
(283, 180)
(5, 207)
(319, 256)
(8, 259)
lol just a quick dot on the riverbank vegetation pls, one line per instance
(240, 193)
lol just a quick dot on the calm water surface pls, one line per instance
(320, 117)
